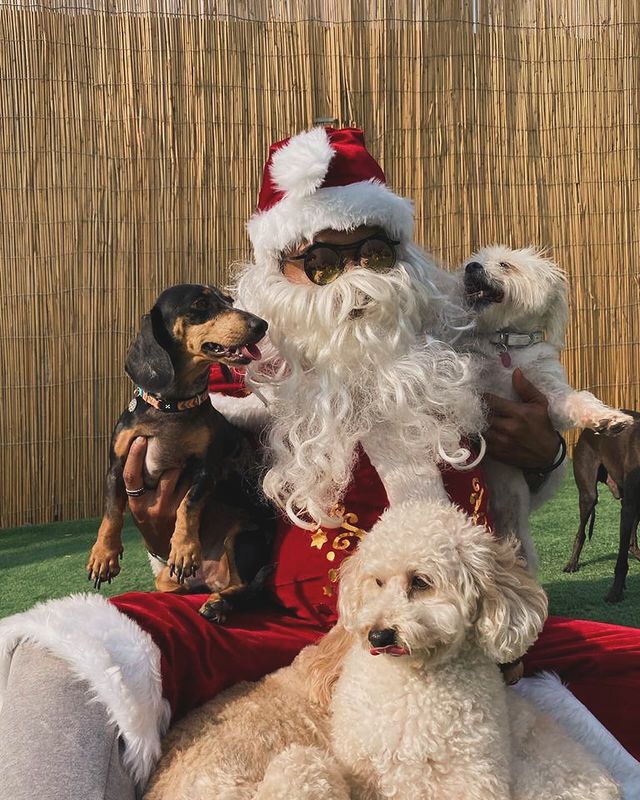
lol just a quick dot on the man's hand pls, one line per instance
(521, 433)
(154, 512)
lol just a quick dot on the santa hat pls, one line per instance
(323, 178)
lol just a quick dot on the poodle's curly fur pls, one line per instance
(438, 722)
(225, 749)
(522, 291)
(433, 722)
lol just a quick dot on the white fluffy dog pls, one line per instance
(420, 709)
(519, 299)
(429, 604)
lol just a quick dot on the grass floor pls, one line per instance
(42, 561)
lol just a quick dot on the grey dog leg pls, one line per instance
(55, 743)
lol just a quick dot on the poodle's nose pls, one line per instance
(473, 266)
(382, 638)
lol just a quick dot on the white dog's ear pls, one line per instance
(556, 316)
(513, 606)
(350, 590)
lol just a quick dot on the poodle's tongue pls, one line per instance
(390, 650)
(251, 351)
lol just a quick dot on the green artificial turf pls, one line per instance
(42, 561)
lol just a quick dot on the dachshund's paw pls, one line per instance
(612, 424)
(184, 560)
(571, 566)
(103, 564)
(215, 609)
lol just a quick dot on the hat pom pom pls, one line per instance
(299, 168)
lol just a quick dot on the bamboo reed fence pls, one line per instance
(133, 134)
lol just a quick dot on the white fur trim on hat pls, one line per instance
(295, 220)
(548, 693)
(299, 167)
(113, 654)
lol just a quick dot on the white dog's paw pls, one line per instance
(611, 424)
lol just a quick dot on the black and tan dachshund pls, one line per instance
(188, 329)
(614, 460)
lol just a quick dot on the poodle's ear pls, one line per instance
(350, 592)
(557, 316)
(512, 605)
(148, 364)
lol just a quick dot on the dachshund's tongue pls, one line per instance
(251, 351)
(390, 650)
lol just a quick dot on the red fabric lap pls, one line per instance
(201, 659)
(600, 663)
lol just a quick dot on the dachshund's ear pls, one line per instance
(513, 606)
(148, 364)
(350, 591)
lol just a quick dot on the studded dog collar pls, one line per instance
(171, 406)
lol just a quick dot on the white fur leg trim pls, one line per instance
(548, 693)
(113, 654)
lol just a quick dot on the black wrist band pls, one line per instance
(558, 460)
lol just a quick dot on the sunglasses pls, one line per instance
(323, 263)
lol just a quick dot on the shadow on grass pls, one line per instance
(589, 562)
(584, 599)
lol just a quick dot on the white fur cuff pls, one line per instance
(297, 219)
(113, 654)
(548, 693)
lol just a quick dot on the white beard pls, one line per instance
(332, 377)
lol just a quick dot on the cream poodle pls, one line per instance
(519, 301)
(225, 749)
(403, 699)
(420, 709)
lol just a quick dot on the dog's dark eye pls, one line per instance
(201, 304)
(378, 581)
(419, 583)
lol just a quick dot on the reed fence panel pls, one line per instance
(133, 134)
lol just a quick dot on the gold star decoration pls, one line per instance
(318, 539)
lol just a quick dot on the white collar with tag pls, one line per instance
(514, 339)
(506, 339)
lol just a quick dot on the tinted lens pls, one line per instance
(323, 265)
(377, 255)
